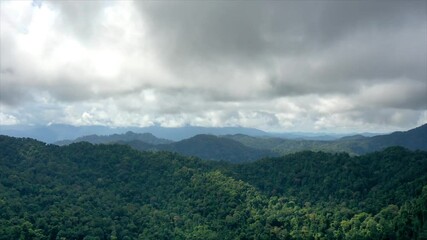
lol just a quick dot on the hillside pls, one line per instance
(414, 139)
(360, 181)
(243, 148)
(207, 147)
(126, 137)
(85, 191)
(256, 142)
(59, 132)
(215, 148)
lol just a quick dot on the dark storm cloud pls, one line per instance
(205, 30)
(12, 94)
(250, 30)
(354, 41)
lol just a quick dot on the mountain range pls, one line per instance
(244, 148)
(59, 132)
(414, 139)
(126, 137)
(205, 146)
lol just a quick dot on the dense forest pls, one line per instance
(85, 191)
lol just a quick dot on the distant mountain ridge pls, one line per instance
(60, 132)
(204, 146)
(242, 147)
(353, 137)
(239, 148)
(414, 139)
(127, 137)
(216, 148)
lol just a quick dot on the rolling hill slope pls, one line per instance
(215, 148)
(414, 139)
(208, 147)
(126, 137)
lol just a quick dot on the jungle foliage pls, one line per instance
(85, 191)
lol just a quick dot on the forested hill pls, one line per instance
(85, 191)
(211, 147)
(243, 148)
(414, 139)
(126, 137)
(204, 146)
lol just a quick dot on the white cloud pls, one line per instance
(214, 64)
(7, 119)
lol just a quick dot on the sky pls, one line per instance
(313, 66)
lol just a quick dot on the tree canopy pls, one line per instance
(85, 191)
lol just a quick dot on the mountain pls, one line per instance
(308, 136)
(353, 137)
(256, 142)
(204, 146)
(252, 138)
(126, 137)
(85, 191)
(358, 180)
(243, 148)
(216, 148)
(414, 139)
(59, 132)
(180, 133)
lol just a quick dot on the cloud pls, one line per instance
(310, 65)
(397, 94)
(59, 57)
(7, 119)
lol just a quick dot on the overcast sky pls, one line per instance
(328, 66)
